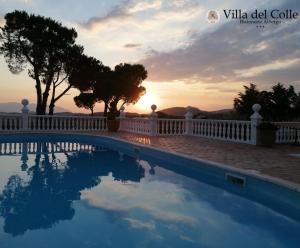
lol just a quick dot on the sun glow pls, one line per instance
(146, 101)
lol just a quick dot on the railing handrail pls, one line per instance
(10, 115)
(218, 120)
(68, 116)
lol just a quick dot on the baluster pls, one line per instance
(38, 123)
(7, 123)
(209, 128)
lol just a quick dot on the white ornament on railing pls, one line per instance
(188, 120)
(122, 112)
(153, 120)
(25, 111)
(256, 119)
(121, 118)
(153, 113)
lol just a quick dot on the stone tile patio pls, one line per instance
(276, 161)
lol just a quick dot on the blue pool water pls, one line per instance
(79, 191)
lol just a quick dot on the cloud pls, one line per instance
(114, 196)
(132, 45)
(275, 65)
(232, 53)
(144, 13)
(118, 13)
(121, 12)
(144, 5)
(138, 224)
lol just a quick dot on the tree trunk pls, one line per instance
(55, 99)
(52, 102)
(45, 98)
(92, 111)
(38, 95)
(105, 108)
(51, 108)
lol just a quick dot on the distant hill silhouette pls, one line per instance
(15, 107)
(181, 111)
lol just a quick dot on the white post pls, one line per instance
(121, 118)
(256, 119)
(188, 121)
(25, 112)
(153, 121)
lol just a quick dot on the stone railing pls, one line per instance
(29, 122)
(171, 127)
(135, 125)
(228, 130)
(51, 123)
(238, 131)
(11, 122)
(288, 132)
(65, 123)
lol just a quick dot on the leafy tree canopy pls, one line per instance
(48, 50)
(86, 100)
(279, 104)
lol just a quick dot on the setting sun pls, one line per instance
(146, 101)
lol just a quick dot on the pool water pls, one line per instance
(55, 194)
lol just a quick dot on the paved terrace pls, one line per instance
(275, 161)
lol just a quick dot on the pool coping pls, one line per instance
(253, 173)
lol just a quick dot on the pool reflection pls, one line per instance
(53, 182)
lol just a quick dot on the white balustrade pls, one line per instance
(287, 132)
(237, 131)
(10, 122)
(228, 130)
(66, 123)
(171, 127)
(136, 125)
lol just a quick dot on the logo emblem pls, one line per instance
(213, 16)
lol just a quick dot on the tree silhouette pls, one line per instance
(279, 104)
(121, 84)
(49, 52)
(86, 100)
(245, 100)
(39, 43)
(282, 100)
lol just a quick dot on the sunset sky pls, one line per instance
(189, 61)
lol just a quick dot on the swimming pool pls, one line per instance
(87, 191)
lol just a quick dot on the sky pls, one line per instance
(189, 60)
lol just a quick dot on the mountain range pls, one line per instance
(181, 111)
(15, 107)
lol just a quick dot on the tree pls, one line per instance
(122, 84)
(279, 104)
(86, 100)
(245, 100)
(296, 106)
(78, 71)
(104, 87)
(43, 46)
(282, 100)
